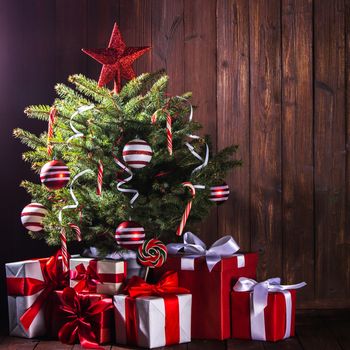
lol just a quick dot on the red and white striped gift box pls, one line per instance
(97, 276)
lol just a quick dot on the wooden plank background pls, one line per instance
(270, 75)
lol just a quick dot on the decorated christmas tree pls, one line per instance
(120, 167)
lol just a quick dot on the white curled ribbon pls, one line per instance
(122, 182)
(195, 137)
(193, 247)
(259, 302)
(76, 203)
(80, 110)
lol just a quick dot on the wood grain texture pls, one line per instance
(265, 135)
(330, 153)
(233, 109)
(270, 75)
(168, 42)
(200, 77)
(297, 144)
(136, 25)
(71, 17)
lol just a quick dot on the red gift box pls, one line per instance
(81, 317)
(270, 315)
(210, 289)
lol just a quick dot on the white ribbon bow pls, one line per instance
(259, 302)
(193, 247)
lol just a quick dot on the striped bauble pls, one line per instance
(152, 253)
(220, 193)
(54, 175)
(137, 153)
(32, 216)
(130, 235)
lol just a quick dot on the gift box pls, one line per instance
(152, 316)
(97, 276)
(29, 284)
(81, 317)
(263, 311)
(133, 267)
(209, 274)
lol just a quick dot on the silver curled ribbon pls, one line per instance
(193, 247)
(191, 148)
(260, 299)
(80, 110)
(75, 200)
(124, 181)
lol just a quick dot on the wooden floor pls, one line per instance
(316, 330)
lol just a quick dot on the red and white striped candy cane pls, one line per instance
(99, 178)
(77, 231)
(169, 134)
(64, 250)
(187, 209)
(52, 118)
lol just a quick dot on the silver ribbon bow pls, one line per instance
(259, 302)
(193, 247)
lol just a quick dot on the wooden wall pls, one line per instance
(269, 75)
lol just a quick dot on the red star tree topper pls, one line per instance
(117, 59)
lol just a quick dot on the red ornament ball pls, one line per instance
(220, 193)
(55, 175)
(137, 153)
(32, 217)
(130, 235)
(153, 253)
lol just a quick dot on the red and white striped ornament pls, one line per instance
(55, 175)
(137, 153)
(220, 193)
(52, 118)
(130, 235)
(32, 216)
(64, 250)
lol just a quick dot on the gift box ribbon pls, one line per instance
(193, 247)
(81, 317)
(54, 278)
(88, 278)
(166, 288)
(259, 302)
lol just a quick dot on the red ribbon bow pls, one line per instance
(82, 316)
(88, 277)
(167, 285)
(54, 278)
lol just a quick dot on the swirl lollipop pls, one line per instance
(152, 253)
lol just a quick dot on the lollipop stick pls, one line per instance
(146, 274)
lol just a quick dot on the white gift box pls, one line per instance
(151, 320)
(17, 305)
(110, 272)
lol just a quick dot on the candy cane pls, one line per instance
(64, 250)
(77, 231)
(52, 118)
(169, 134)
(99, 178)
(187, 209)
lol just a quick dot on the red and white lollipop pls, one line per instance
(152, 253)
(32, 217)
(137, 153)
(130, 235)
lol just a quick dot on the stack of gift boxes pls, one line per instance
(198, 293)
